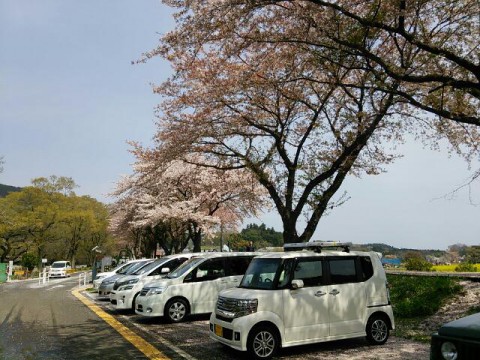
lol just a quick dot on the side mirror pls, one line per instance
(297, 284)
(165, 271)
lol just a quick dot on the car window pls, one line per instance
(209, 270)
(367, 267)
(309, 271)
(237, 265)
(172, 265)
(343, 271)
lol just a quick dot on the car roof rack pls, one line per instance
(317, 246)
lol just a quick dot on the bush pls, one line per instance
(466, 267)
(417, 264)
(419, 296)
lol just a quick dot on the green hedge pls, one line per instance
(418, 296)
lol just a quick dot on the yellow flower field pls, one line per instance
(449, 268)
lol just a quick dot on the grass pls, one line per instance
(414, 298)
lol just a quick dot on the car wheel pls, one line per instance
(263, 342)
(377, 330)
(176, 310)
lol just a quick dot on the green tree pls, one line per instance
(473, 254)
(55, 184)
(29, 261)
(50, 221)
(261, 236)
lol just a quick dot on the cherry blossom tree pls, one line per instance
(270, 86)
(177, 201)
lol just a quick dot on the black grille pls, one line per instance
(223, 318)
(228, 334)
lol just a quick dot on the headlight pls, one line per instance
(156, 290)
(245, 307)
(125, 287)
(449, 351)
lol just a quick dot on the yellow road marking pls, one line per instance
(146, 348)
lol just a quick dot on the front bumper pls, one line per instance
(121, 299)
(152, 305)
(57, 274)
(233, 333)
(105, 290)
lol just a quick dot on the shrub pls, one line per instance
(418, 296)
(418, 264)
(466, 267)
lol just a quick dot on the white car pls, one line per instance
(193, 287)
(59, 269)
(102, 275)
(303, 297)
(126, 289)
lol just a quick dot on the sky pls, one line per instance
(70, 99)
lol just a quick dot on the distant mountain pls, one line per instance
(5, 189)
(393, 251)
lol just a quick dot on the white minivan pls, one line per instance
(59, 269)
(126, 289)
(303, 297)
(193, 287)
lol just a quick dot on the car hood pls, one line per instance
(467, 327)
(105, 274)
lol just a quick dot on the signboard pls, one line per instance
(44, 261)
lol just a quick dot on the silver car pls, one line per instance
(106, 286)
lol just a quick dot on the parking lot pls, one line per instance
(190, 340)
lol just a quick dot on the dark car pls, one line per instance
(457, 340)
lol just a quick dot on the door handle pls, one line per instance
(320, 293)
(334, 292)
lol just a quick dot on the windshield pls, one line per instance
(151, 266)
(124, 270)
(58, 265)
(137, 267)
(261, 274)
(185, 267)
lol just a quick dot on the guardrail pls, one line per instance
(43, 277)
(82, 279)
(474, 276)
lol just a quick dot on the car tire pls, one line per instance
(263, 342)
(377, 330)
(176, 310)
(134, 302)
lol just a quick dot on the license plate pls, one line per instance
(218, 330)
